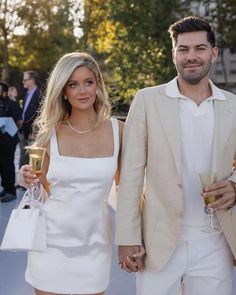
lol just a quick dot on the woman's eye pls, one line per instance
(72, 85)
(88, 82)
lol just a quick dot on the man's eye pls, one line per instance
(182, 49)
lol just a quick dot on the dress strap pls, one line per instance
(53, 144)
(115, 127)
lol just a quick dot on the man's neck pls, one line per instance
(32, 87)
(198, 92)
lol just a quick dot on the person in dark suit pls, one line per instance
(31, 104)
(10, 119)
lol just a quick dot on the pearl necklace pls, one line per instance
(82, 132)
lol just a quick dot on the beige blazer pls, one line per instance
(152, 141)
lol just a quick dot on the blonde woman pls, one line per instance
(83, 145)
(12, 93)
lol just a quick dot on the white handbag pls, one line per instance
(26, 228)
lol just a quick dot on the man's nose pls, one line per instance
(191, 55)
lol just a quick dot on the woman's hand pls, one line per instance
(26, 176)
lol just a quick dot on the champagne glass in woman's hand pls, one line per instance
(206, 180)
(36, 156)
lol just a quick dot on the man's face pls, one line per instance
(193, 56)
(27, 81)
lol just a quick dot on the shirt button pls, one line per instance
(179, 185)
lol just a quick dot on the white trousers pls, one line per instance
(198, 267)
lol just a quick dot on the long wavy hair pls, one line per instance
(55, 108)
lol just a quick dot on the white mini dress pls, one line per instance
(78, 257)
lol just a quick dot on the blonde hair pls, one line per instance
(55, 108)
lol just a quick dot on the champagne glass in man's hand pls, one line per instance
(206, 180)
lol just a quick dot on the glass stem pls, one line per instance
(211, 219)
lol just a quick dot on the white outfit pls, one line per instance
(78, 224)
(202, 272)
(202, 261)
(197, 136)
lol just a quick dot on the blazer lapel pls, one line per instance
(223, 123)
(168, 110)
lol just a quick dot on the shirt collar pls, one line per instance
(172, 90)
(30, 92)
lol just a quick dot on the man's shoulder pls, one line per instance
(153, 91)
(228, 94)
(230, 99)
(155, 88)
(37, 92)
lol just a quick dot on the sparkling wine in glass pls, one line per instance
(36, 157)
(206, 180)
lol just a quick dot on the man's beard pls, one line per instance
(194, 79)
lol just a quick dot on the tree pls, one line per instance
(131, 39)
(47, 38)
(222, 14)
(34, 34)
(8, 23)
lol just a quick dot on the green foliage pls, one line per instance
(128, 38)
(132, 39)
(47, 32)
(222, 13)
(46, 38)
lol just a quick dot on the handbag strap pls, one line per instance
(33, 197)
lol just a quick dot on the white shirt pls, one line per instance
(196, 137)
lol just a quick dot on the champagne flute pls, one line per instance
(207, 179)
(36, 157)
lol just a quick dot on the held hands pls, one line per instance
(131, 258)
(26, 177)
(224, 192)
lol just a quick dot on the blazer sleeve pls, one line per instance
(133, 163)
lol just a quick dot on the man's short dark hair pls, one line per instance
(33, 75)
(4, 86)
(191, 24)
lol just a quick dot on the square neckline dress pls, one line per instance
(79, 233)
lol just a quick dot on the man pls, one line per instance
(174, 132)
(30, 107)
(10, 121)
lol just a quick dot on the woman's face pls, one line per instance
(12, 92)
(81, 88)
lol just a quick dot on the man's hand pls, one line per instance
(225, 193)
(131, 258)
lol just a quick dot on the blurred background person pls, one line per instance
(12, 93)
(30, 107)
(8, 141)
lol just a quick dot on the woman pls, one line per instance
(83, 146)
(12, 93)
